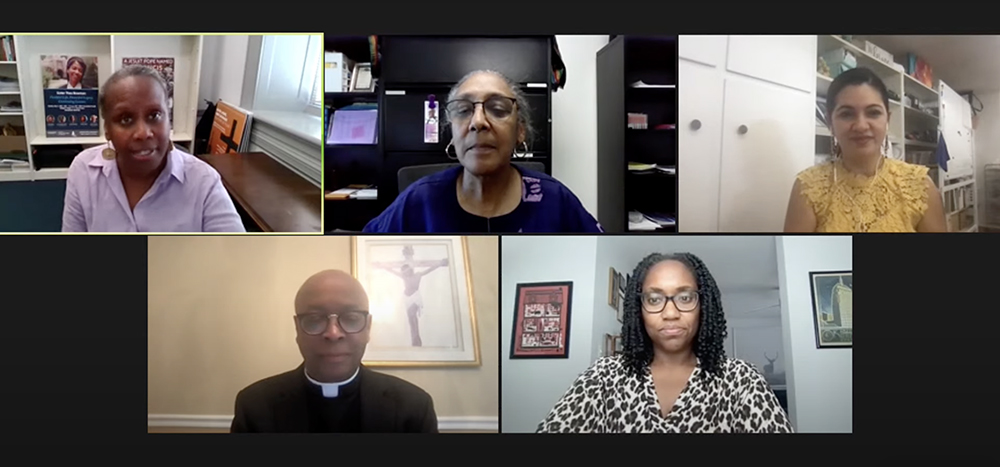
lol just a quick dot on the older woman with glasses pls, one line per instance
(490, 120)
(672, 375)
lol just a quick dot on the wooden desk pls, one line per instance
(277, 199)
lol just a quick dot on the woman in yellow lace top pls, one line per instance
(862, 189)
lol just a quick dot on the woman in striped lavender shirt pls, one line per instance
(138, 181)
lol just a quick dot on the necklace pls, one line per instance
(855, 208)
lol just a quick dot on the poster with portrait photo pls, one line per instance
(165, 66)
(70, 85)
(420, 300)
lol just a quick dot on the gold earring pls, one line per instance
(108, 153)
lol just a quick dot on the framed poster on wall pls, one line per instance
(832, 297)
(541, 320)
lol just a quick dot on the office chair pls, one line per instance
(408, 175)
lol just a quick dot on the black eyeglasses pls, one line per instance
(351, 322)
(497, 107)
(655, 302)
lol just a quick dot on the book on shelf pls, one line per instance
(7, 52)
(230, 129)
(647, 222)
(641, 168)
(347, 192)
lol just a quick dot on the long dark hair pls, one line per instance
(637, 347)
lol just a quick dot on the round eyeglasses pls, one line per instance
(351, 322)
(655, 302)
(497, 107)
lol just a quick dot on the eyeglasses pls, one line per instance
(655, 302)
(497, 107)
(315, 324)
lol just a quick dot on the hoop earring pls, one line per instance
(109, 153)
(448, 153)
(525, 146)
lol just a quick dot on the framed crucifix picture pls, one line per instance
(420, 300)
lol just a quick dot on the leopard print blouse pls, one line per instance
(608, 399)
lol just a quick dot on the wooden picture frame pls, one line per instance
(612, 345)
(832, 310)
(542, 312)
(612, 288)
(435, 326)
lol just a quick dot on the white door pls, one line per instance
(707, 50)
(700, 147)
(785, 60)
(955, 115)
(767, 139)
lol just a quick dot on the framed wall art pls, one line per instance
(832, 293)
(420, 299)
(542, 313)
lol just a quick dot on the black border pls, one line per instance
(517, 303)
(815, 308)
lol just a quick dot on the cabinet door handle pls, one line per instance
(696, 124)
(742, 129)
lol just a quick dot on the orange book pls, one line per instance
(230, 129)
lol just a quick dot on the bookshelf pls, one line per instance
(914, 125)
(186, 50)
(637, 157)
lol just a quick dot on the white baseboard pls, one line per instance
(225, 421)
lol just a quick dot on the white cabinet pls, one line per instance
(706, 50)
(738, 161)
(777, 59)
(762, 152)
(700, 138)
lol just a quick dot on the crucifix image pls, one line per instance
(407, 270)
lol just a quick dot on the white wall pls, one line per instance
(820, 381)
(574, 118)
(531, 387)
(987, 134)
(223, 69)
(611, 253)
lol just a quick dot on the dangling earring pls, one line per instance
(448, 153)
(109, 153)
(886, 149)
(834, 148)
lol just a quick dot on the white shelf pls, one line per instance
(822, 84)
(954, 186)
(920, 115)
(921, 144)
(827, 43)
(8, 62)
(919, 90)
(47, 141)
(972, 229)
(823, 131)
(51, 174)
(15, 176)
(186, 50)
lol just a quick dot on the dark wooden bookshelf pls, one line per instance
(624, 63)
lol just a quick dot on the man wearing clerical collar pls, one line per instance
(332, 392)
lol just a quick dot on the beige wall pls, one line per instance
(220, 318)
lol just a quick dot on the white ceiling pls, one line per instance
(963, 62)
(738, 263)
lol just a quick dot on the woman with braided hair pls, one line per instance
(672, 375)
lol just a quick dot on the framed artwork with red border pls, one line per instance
(541, 320)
